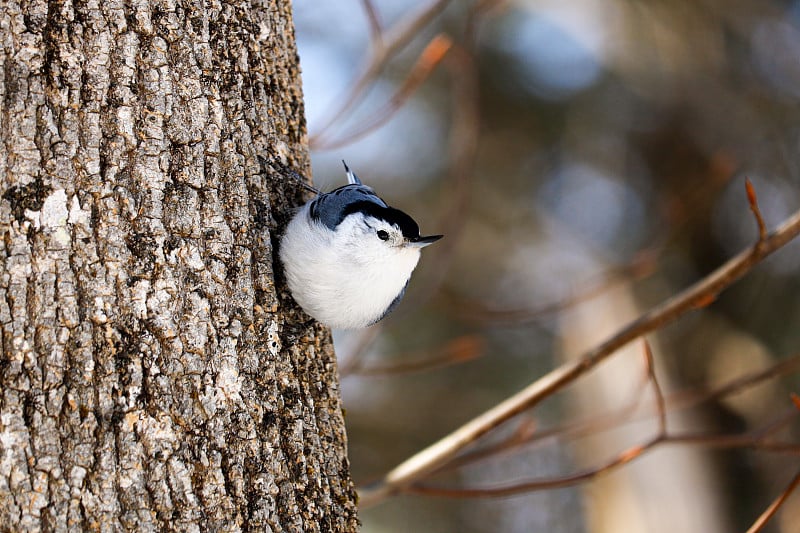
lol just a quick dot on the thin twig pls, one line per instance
(427, 460)
(785, 366)
(427, 62)
(540, 484)
(642, 266)
(524, 433)
(375, 30)
(752, 199)
(754, 439)
(770, 511)
(527, 432)
(661, 405)
(462, 152)
(620, 416)
(456, 351)
(394, 40)
(621, 459)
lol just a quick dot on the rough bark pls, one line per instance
(154, 376)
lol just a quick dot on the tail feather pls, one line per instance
(352, 179)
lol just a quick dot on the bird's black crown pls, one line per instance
(391, 215)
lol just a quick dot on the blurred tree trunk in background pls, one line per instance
(672, 477)
(148, 378)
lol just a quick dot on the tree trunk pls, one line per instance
(154, 376)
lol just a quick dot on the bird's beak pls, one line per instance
(422, 242)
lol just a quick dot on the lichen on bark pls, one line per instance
(154, 375)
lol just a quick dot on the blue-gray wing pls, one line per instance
(331, 208)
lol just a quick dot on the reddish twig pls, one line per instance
(550, 483)
(394, 40)
(754, 439)
(770, 511)
(524, 434)
(627, 456)
(752, 199)
(428, 60)
(462, 152)
(461, 165)
(613, 420)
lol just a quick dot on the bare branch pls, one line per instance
(753, 439)
(634, 452)
(527, 431)
(620, 416)
(550, 483)
(427, 460)
(756, 438)
(394, 40)
(462, 152)
(788, 365)
(770, 511)
(428, 60)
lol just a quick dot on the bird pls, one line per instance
(348, 256)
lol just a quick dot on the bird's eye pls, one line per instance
(383, 235)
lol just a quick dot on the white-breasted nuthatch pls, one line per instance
(348, 256)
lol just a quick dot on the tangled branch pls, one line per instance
(699, 295)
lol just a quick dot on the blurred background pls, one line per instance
(586, 160)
